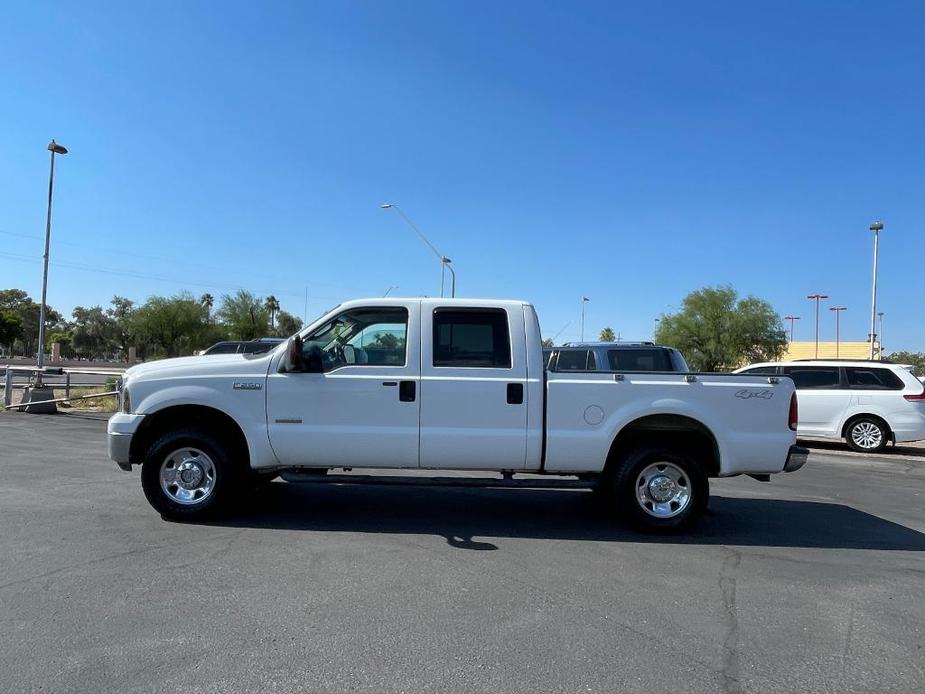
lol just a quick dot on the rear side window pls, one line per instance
(806, 377)
(575, 360)
(475, 338)
(639, 360)
(872, 378)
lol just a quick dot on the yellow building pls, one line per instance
(846, 350)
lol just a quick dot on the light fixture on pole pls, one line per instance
(838, 310)
(584, 300)
(792, 319)
(445, 263)
(880, 316)
(54, 148)
(876, 227)
(817, 298)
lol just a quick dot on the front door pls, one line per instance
(473, 383)
(363, 409)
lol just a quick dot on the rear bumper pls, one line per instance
(796, 458)
(119, 432)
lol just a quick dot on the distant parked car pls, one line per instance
(258, 346)
(614, 356)
(866, 403)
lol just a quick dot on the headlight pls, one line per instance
(126, 401)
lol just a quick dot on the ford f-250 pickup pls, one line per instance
(444, 384)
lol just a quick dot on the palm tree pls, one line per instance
(272, 304)
(207, 301)
(607, 335)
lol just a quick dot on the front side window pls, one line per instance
(639, 359)
(807, 377)
(474, 338)
(360, 337)
(872, 378)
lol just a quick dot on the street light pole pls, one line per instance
(838, 310)
(54, 148)
(584, 300)
(876, 227)
(444, 261)
(792, 320)
(391, 287)
(817, 298)
(655, 328)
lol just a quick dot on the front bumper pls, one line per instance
(119, 432)
(796, 458)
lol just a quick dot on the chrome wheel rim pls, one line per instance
(188, 476)
(866, 435)
(663, 490)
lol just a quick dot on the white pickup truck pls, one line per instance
(444, 384)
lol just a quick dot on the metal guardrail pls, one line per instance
(49, 371)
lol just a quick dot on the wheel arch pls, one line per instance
(671, 430)
(213, 420)
(867, 415)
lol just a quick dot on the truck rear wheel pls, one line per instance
(659, 489)
(189, 475)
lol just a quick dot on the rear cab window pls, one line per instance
(472, 337)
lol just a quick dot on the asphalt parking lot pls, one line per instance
(810, 583)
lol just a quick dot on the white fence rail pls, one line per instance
(49, 376)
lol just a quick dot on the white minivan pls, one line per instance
(866, 403)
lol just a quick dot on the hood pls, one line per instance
(215, 364)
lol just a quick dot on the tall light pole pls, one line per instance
(880, 316)
(876, 227)
(792, 319)
(817, 298)
(391, 287)
(838, 310)
(445, 263)
(584, 300)
(54, 148)
(655, 328)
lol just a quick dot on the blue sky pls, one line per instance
(627, 152)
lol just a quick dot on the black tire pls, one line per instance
(625, 486)
(228, 474)
(867, 434)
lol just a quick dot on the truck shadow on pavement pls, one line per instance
(461, 515)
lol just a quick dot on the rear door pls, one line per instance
(473, 378)
(822, 399)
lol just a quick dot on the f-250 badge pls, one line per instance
(246, 385)
(749, 394)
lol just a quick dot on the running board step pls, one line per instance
(301, 477)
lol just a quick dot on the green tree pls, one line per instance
(272, 305)
(94, 332)
(10, 329)
(917, 359)
(207, 301)
(244, 315)
(716, 330)
(64, 340)
(172, 326)
(287, 324)
(121, 312)
(21, 305)
(607, 335)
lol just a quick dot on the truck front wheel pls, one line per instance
(659, 489)
(189, 474)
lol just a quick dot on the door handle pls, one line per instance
(390, 383)
(515, 393)
(407, 391)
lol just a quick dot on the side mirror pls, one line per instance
(294, 360)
